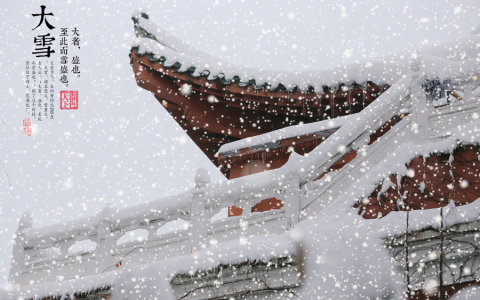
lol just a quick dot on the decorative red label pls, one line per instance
(68, 99)
(27, 131)
(27, 122)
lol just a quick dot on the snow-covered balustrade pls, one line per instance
(42, 254)
(36, 257)
(208, 201)
(421, 123)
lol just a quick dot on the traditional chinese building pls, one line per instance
(253, 123)
(387, 155)
(214, 110)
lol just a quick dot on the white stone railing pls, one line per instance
(289, 184)
(107, 227)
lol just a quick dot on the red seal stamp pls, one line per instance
(27, 131)
(68, 99)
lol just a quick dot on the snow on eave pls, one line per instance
(140, 17)
(285, 133)
(395, 163)
(387, 69)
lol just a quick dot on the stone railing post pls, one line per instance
(468, 92)
(63, 246)
(106, 240)
(470, 87)
(199, 216)
(105, 244)
(153, 228)
(420, 114)
(18, 254)
(292, 201)
(420, 104)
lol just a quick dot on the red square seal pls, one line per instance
(27, 122)
(68, 99)
(27, 131)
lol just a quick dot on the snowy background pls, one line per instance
(121, 146)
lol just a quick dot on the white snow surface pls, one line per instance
(284, 133)
(202, 176)
(63, 288)
(145, 282)
(387, 69)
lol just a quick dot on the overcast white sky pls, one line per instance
(121, 146)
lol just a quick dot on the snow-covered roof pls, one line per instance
(163, 47)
